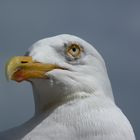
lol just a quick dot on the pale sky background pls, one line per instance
(112, 26)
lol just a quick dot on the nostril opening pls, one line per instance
(23, 62)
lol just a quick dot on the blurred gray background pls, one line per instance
(112, 26)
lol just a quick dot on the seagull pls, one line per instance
(72, 93)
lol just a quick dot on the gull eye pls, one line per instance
(74, 50)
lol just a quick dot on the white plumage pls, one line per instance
(74, 103)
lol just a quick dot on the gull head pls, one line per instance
(63, 65)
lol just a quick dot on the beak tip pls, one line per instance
(10, 68)
(7, 76)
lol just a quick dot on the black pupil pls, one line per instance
(74, 49)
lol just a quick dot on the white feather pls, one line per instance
(83, 106)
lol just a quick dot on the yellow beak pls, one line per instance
(21, 68)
